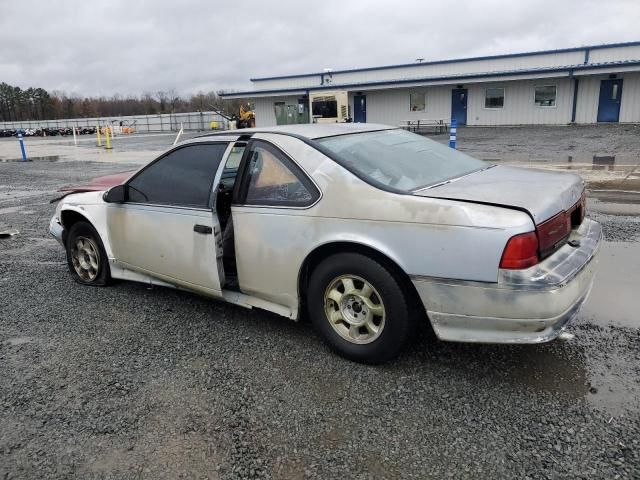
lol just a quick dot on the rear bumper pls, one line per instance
(57, 230)
(524, 306)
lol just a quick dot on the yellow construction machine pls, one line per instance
(247, 117)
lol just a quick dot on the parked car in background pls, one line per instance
(367, 228)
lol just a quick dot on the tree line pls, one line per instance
(17, 104)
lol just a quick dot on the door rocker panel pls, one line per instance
(123, 271)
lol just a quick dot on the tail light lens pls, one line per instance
(553, 231)
(521, 252)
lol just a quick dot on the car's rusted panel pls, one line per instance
(100, 184)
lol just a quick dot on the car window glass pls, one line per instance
(400, 159)
(272, 182)
(230, 170)
(184, 177)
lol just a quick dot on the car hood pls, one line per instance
(100, 184)
(541, 193)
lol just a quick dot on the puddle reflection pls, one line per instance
(46, 158)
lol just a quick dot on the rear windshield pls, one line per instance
(400, 159)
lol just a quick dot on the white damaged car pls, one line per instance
(367, 228)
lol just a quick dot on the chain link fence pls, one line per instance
(168, 122)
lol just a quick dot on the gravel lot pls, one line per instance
(133, 382)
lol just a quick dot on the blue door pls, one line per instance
(360, 108)
(459, 105)
(609, 103)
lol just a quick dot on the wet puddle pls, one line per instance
(45, 158)
(602, 374)
(16, 341)
(8, 233)
(614, 299)
(575, 161)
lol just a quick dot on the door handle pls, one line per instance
(202, 229)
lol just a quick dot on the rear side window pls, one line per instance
(273, 179)
(183, 177)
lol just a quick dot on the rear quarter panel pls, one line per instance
(424, 236)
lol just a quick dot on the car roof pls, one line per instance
(309, 130)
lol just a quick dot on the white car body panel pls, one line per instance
(445, 246)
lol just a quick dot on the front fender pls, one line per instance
(90, 206)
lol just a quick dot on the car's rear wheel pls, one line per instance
(360, 308)
(86, 257)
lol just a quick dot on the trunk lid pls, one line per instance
(543, 194)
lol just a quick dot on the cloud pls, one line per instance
(130, 47)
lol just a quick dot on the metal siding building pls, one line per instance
(599, 83)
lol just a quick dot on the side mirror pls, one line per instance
(117, 194)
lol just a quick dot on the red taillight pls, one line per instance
(552, 231)
(521, 251)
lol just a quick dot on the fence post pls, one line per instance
(24, 153)
(453, 133)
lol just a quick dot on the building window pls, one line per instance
(545, 96)
(324, 107)
(494, 98)
(417, 102)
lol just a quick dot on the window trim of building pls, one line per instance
(504, 98)
(555, 96)
(424, 101)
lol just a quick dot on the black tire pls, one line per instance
(397, 318)
(85, 232)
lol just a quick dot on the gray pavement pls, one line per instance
(137, 382)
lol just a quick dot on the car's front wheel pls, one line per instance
(360, 308)
(86, 257)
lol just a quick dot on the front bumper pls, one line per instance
(524, 306)
(57, 230)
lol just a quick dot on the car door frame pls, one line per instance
(239, 203)
(210, 210)
(241, 186)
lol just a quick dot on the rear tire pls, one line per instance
(360, 308)
(86, 257)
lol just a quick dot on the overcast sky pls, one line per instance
(131, 47)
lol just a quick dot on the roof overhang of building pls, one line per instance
(510, 75)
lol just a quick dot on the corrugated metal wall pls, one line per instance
(284, 83)
(461, 68)
(442, 69)
(519, 106)
(588, 93)
(391, 107)
(616, 54)
(630, 108)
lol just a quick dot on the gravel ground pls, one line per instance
(138, 382)
(551, 142)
